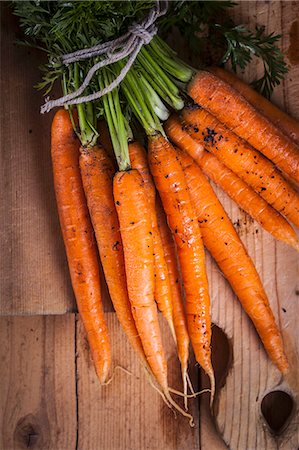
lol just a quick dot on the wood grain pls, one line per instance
(38, 383)
(128, 413)
(51, 399)
(238, 413)
(34, 273)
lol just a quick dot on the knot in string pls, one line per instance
(128, 45)
(145, 35)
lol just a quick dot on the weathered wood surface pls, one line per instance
(51, 399)
(34, 273)
(38, 383)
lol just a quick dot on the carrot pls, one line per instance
(233, 110)
(97, 171)
(242, 159)
(171, 184)
(136, 230)
(286, 123)
(224, 244)
(78, 239)
(163, 297)
(179, 315)
(177, 133)
(234, 186)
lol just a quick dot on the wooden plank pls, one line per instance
(238, 415)
(128, 413)
(34, 273)
(38, 384)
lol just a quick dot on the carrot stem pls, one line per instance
(116, 123)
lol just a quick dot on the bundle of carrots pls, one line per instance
(153, 216)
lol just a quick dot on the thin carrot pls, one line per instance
(286, 123)
(233, 110)
(225, 246)
(171, 184)
(242, 159)
(163, 296)
(179, 315)
(78, 239)
(97, 171)
(232, 184)
(136, 230)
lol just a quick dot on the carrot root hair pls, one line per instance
(194, 395)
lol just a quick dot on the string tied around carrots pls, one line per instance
(128, 45)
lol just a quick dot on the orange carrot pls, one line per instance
(177, 133)
(136, 230)
(138, 158)
(286, 123)
(78, 239)
(171, 184)
(242, 159)
(97, 171)
(225, 246)
(233, 110)
(233, 185)
(179, 315)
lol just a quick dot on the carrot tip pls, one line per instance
(179, 409)
(105, 383)
(212, 381)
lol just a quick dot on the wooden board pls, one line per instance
(51, 399)
(34, 273)
(38, 383)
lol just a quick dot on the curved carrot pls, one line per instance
(234, 186)
(224, 244)
(97, 171)
(179, 315)
(233, 110)
(171, 184)
(286, 123)
(78, 239)
(136, 230)
(242, 159)
(138, 158)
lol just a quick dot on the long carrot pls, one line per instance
(171, 184)
(179, 315)
(163, 296)
(78, 239)
(225, 246)
(242, 159)
(97, 171)
(230, 108)
(136, 230)
(286, 123)
(232, 184)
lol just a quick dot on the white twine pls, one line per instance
(129, 44)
